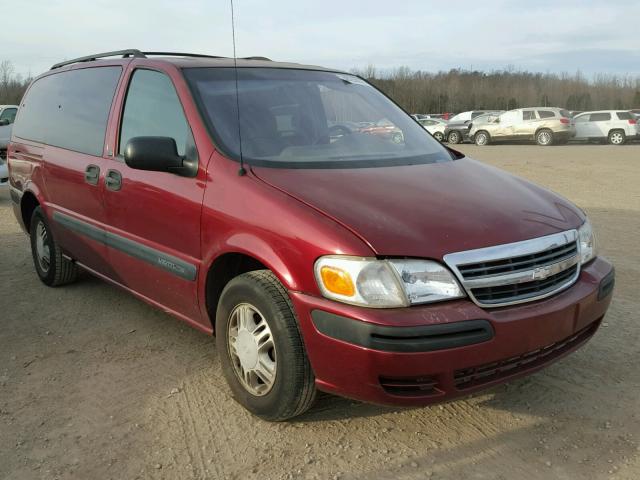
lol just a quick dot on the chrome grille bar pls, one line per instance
(518, 272)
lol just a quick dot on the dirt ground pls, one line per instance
(95, 384)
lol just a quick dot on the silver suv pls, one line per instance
(614, 126)
(544, 125)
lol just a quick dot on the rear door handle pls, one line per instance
(92, 174)
(113, 180)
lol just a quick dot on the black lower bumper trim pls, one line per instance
(606, 285)
(424, 338)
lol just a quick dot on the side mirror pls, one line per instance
(4, 122)
(158, 154)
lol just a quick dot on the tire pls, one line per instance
(454, 137)
(438, 136)
(397, 138)
(544, 137)
(617, 137)
(291, 390)
(481, 138)
(52, 268)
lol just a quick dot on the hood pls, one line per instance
(429, 210)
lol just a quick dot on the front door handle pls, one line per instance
(92, 174)
(113, 180)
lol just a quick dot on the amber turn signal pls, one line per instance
(337, 281)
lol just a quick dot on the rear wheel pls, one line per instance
(52, 267)
(481, 138)
(544, 137)
(454, 137)
(617, 137)
(261, 350)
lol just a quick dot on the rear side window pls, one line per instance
(600, 117)
(69, 109)
(546, 114)
(152, 108)
(9, 114)
(624, 115)
(528, 115)
(475, 114)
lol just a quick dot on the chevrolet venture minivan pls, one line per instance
(249, 199)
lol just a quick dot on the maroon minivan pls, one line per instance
(250, 199)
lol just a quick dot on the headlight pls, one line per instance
(384, 283)
(587, 241)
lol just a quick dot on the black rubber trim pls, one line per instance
(137, 250)
(425, 338)
(607, 284)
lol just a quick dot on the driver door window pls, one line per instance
(152, 108)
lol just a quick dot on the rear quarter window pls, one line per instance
(69, 109)
(546, 114)
(624, 115)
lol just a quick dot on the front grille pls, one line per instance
(411, 387)
(526, 290)
(483, 374)
(516, 264)
(518, 272)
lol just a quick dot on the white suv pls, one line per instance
(615, 126)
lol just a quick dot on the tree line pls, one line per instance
(460, 90)
(12, 85)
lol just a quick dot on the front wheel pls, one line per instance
(52, 267)
(544, 137)
(481, 138)
(617, 137)
(261, 351)
(438, 136)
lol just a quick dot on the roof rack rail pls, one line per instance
(179, 54)
(257, 58)
(132, 52)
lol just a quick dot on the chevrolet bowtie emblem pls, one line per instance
(541, 273)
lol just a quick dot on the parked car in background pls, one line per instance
(7, 114)
(5, 135)
(395, 273)
(614, 126)
(457, 131)
(636, 113)
(544, 125)
(435, 127)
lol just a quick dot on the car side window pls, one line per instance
(546, 114)
(600, 117)
(9, 114)
(581, 119)
(152, 108)
(528, 115)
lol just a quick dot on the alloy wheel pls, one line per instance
(43, 252)
(252, 349)
(617, 138)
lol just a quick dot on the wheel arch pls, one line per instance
(28, 203)
(228, 264)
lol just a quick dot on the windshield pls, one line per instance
(307, 119)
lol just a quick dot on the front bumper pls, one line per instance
(435, 356)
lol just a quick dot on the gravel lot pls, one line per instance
(96, 384)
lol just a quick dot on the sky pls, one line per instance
(542, 35)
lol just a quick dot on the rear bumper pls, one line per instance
(428, 354)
